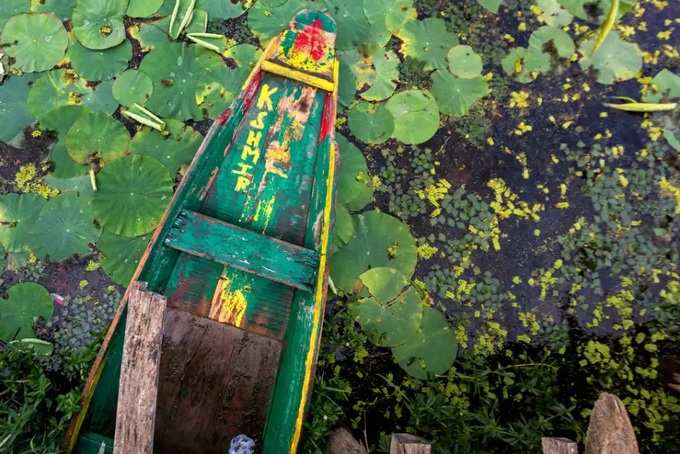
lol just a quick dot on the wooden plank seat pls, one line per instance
(243, 249)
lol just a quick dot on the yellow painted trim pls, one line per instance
(300, 76)
(318, 297)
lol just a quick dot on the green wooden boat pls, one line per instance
(241, 258)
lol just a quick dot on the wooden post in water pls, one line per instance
(556, 445)
(136, 412)
(409, 444)
(610, 430)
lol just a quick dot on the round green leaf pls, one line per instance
(616, 60)
(100, 99)
(383, 81)
(132, 87)
(98, 24)
(14, 114)
(427, 40)
(665, 85)
(380, 240)
(561, 40)
(36, 41)
(98, 64)
(143, 8)
(416, 116)
(96, 135)
(62, 8)
(464, 62)
(64, 227)
(18, 213)
(555, 14)
(354, 192)
(371, 123)
(376, 12)
(266, 21)
(525, 64)
(431, 349)
(221, 9)
(132, 195)
(24, 303)
(11, 8)
(384, 283)
(173, 147)
(121, 255)
(343, 229)
(399, 13)
(62, 118)
(454, 95)
(354, 28)
(64, 165)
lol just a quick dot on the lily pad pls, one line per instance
(347, 83)
(121, 255)
(37, 42)
(143, 8)
(525, 64)
(665, 84)
(554, 13)
(100, 99)
(132, 87)
(464, 62)
(133, 193)
(266, 21)
(24, 303)
(399, 13)
(18, 213)
(549, 34)
(376, 12)
(96, 135)
(14, 114)
(343, 229)
(428, 41)
(11, 8)
(97, 64)
(64, 165)
(371, 123)
(455, 95)
(416, 116)
(384, 283)
(62, 118)
(673, 138)
(380, 240)
(174, 147)
(616, 60)
(60, 87)
(62, 8)
(222, 9)
(354, 29)
(354, 191)
(64, 227)
(382, 81)
(491, 5)
(180, 73)
(98, 24)
(431, 349)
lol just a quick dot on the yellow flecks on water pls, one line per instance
(27, 180)
(92, 266)
(638, 9)
(668, 188)
(508, 38)
(434, 194)
(426, 251)
(654, 132)
(585, 87)
(623, 181)
(651, 58)
(229, 305)
(562, 205)
(642, 26)
(488, 76)
(660, 4)
(83, 283)
(530, 321)
(519, 99)
(506, 203)
(490, 141)
(522, 160)
(626, 30)
(522, 128)
(665, 35)
(36, 133)
(670, 51)
(522, 27)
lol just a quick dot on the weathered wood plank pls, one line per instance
(556, 445)
(136, 411)
(409, 444)
(216, 382)
(610, 429)
(244, 249)
(342, 442)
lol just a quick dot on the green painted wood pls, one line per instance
(243, 249)
(91, 443)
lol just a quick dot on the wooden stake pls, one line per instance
(136, 413)
(554, 445)
(342, 442)
(610, 430)
(409, 444)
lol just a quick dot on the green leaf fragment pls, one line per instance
(464, 62)
(14, 114)
(25, 302)
(428, 41)
(173, 147)
(96, 136)
(384, 283)
(454, 95)
(491, 5)
(121, 255)
(416, 116)
(98, 24)
(37, 42)
(132, 87)
(354, 190)
(615, 61)
(143, 8)
(665, 84)
(549, 34)
(371, 123)
(382, 81)
(18, 213)
(99, 64)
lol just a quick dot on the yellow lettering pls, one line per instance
(259, 122)
(264, 100)
(248, 151)
(243, 169)
(242, 184)
(254, 138)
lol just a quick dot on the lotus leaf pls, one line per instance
(525, 64)
(390, 325)
(375, 12)
(431, 349)
(354, 191)
(143, 8)
(132, 87)
(12, 8)
(62, 8)
(464, 62)
(132, 195)
(64, 227)
(673, 138)
(347, 83)
(98, 24)
(24, 303)
(384, 283)
(575, 7)
(266, 21)
(180, 73)
(37, 42)
(491, 5)
(360, 66)
(382, 81)
(99, 64)
(616, 60)
(79, 185)
(380, 240)
(222, 9)
(561, 40)
(371, 123)
(244, 56)
(64, 165)
(18, 213)
(454, 95)
(554, 13)
(354, 29)
(62, 118)
(343, 229)
(173, 148)
(96, 135)
(399, 13)
(100, 99)
(14, 114)
(428, 41)
(416, 116)
(121, 255)
(664, 85)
